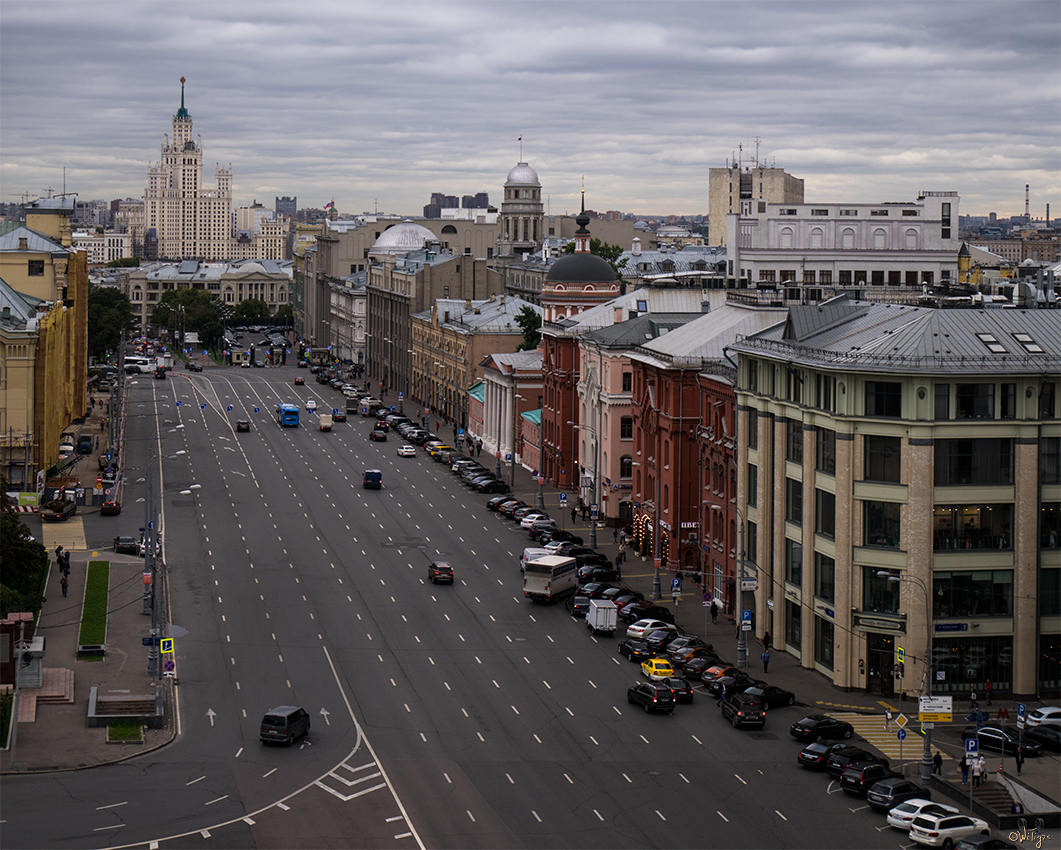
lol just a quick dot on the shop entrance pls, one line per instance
(880, 678)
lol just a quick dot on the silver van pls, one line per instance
(283, 724)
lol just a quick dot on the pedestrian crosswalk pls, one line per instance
(873, 729)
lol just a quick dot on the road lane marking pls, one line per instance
(126, 803)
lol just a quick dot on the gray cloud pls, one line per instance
(386, 102)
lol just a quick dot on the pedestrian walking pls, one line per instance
(964, 766)
(721, 693)
(64, 584)
(766, 639)
(978, 771)
(714, 612)
(622, 551)
(97, 444)
(887, 720)
(990, 687)
(972, 701)
(937, 764)
(766, 660)
(619, 565)
(1019, 759)
(615, 536)
(574, 515)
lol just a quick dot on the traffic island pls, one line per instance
(91, 640)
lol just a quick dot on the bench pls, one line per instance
(91, 649)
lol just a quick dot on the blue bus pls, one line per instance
(287, 415)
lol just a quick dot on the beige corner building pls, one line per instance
(728, 187)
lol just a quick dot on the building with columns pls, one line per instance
(899, 482)
(522, 213)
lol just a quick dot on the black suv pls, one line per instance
(842, 759)
(440, 571)
(859, 778)
(741, 708)
(651, 696)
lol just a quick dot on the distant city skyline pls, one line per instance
(864, 102)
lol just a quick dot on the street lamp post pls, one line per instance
(594, 499)
(926, 753)
(742, 636)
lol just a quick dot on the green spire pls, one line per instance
(182, 112)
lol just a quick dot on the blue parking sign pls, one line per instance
(972, 745)
(746, 616)
(675, 583)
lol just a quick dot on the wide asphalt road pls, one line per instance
(460, 716)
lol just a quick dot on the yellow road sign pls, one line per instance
(935, 718)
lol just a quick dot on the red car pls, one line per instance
(112, 507)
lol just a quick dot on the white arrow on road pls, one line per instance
(324, 714)
(211, 714)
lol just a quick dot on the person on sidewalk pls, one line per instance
(979, 766)
(964, 766)
(937, 764)
(714, 612)
(574, 515)
(1018, 758)
(766, 660)
(887, 720)
(766, 640)
(64, 584)
(615, 536)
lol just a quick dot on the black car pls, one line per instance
(243, 425)
(339, 416)
(194, 367)
(126, 545)
(578, 605)
(683, 691)
(815, 755)
(890, 792)
(858, 778)
(495, 486)
(842, 759)
(740, 709)
(1047, 737)
(734, 684)
(559, 535)
(772, 696)
(651, 696)
(595, 589)
(596, 573)
(695, 667)
(659, 639)
(635, 650)
(378, 436)
(682, 658)
(440, 571)
(645, 609)
(820, 726)
(496, 502)
(1003, 738)
(983, 842)
(112, 507)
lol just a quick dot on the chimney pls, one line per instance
(7, 314)
(636, 248)
(618, 315)
(705, 306)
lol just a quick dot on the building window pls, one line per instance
(881, 524)
(824, 577)
(825, 513)
(1049, 529)
(753, 430)
(825, 392)
(942, 401)
(823, 642)
(1047, 397)
(751, 542)
(1050, 593)
(628, 382)
(35, 268)
(884, 398)
(753, 485)
(1050, 460)
(883, 459)
(879, 595)
(626, 467)
(794, 441)
(975, 401)
(972, 526)
(972, 593)
(985, 462)
(626, 428)
(793, 500)
(825, 451)
(793, 562)
(793, 624)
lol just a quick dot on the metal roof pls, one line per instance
(36, 242)
(641, 329)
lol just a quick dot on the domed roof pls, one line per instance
(251, 268)
(523, 174)
(581, 268)
(402, 238)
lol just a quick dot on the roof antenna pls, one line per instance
(520, 140)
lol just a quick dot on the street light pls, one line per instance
(926, 754)
(742, 639)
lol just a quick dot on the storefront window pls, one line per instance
(793, 625)
(823, 642)
(972, 593)
(881, 524)
(964, 665)
(824, 577)
(973, 526)
(879, 595)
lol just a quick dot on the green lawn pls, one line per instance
(97, 594)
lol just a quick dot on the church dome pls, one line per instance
(402, 238)
(581, 268)
(522, 175)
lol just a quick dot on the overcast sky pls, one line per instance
(378, 104)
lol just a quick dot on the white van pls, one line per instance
(531, 554)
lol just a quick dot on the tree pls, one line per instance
(201, 313)
(251, 311)
(611, 253)
(24, 562)
(284, 316)
(109, 313)
(530, 322)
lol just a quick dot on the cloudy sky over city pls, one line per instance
(377, 105)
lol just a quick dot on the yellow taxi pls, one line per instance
(435, 449)
(656, 669)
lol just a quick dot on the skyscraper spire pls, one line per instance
(182, 112)
(582, 234)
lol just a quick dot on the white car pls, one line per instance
(406, 451)
(1048, 715)
(644, 627)
(903, 815)
(945, 830)
(311, 405)
(529, 520)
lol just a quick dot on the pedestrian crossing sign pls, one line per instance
(166, 645)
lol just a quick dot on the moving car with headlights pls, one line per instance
(126, 546)
(311, 405)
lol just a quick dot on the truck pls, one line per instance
(548, 578)
(353, 406)
(319, 356)
(59, 509)
(601, 617)
(164, 362)
(326, 421)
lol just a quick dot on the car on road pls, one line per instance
(243, 425)
(126, 545)
(300, 382)
(816, 754)
(772, 696)
(656, 669)
(945, 830)
(740, 709)
(857, 779)
(660, 637)
(246, 364)
(435, 448)
(733, 684)
(112, 507)
(684, 656)
(635, 650)
(284, 724)
(191, 366)
(595, 572)
(558, 535)
(1049, 715)
(983, 842)
(339, 416)
(888, 793)
(902, 815)
(519, 513)
(820, 726)
(683, 691)
(406, 451)
(492, 486)
(694, 668)
(1005, 739)
(378, 435)
(311, 405)
(717, 672)
(578, 605)
(651, 696)
(1047, 737)
(373, 480)
(643, 627)
(440, 571)
(645, 609)
(840, 760)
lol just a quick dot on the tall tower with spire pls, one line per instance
(522, 216)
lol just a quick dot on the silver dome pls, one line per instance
(401, 238)
(523, 175)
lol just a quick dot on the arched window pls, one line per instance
(666, 498)
(816, 237)
(786, 237)
(880, 238)
(449, 229)
(847, 238)
(911, 240)
(626, 466)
